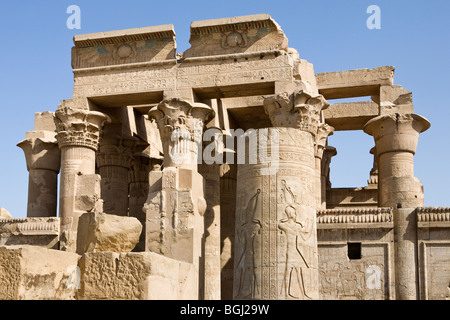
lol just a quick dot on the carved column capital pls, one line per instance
(373, 180)
(41, 153)
(76, 127)
(320, 140)
(396, 132)
(328, 153)
(177, 114)
(181, 127)
(299, 110)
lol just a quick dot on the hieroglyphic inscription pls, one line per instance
(265, 240)
(124, 81)
(179, 76)
(225, 73)
(273, 237)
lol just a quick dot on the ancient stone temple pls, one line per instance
(205, 175)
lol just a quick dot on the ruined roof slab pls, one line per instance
(124, 47)
(252, 33)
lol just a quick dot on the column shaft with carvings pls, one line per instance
(176, 204)
(396, 137)
(276, 238)
(43, 159)
(78, 133)
(139, 189)
(114, 163)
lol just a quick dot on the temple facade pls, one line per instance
(206, 175)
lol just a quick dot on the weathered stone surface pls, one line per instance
(107, 232)
(136, 276)
(354, 83)
(5, 214)
(33, 273)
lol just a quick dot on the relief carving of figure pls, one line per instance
(296, 262)
(246, 262)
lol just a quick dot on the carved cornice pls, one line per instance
(76, 127)
(355, 218)
(433, 217)
(30, 226)
(299, 110)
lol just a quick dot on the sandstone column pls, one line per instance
(228, 174)
(328, 153)
(114, 162)
(372, 183)
(43, 159)
(78, 138)
(141, 166)
(396, 137)
(175, 204)
(276, 238)
(320, 144)
(211, 174)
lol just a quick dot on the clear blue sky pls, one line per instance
(331, 34)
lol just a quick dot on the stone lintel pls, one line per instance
(124, 47)
(354, 83)
(350, 115)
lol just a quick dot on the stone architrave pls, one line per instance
(276, 239)
(396, 137)
(43, 159)
(78, 134)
